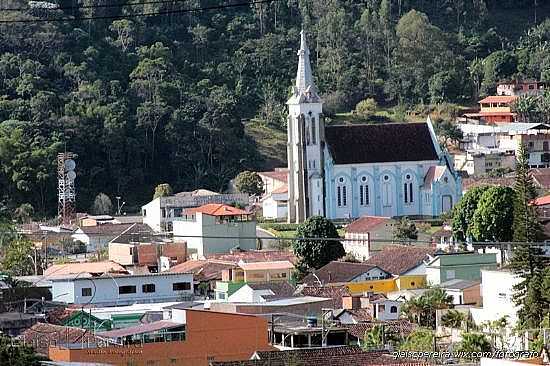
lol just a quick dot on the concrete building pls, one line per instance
(464, 266)
(157, 257)
(274, 180)
(116, 290)
(497, 289)
(520, 88)
(345, 171)
(463, 292)
(215, 228)
(189, 338)
(484, 160)
(362, 231)
(160, 212)
(262, 292)
(275, 204)
(98, 236)
(495, 109)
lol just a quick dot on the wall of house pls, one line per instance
(122, 253)
(195, 230)
(376, 286)
(383, 310)
(204, 343)
(385, 182)
(405, 282)
(151, 214)
(267, 275)
(472, 295)
(105, 290)
(274, 208)
(359, 249)
(309, 308)
(463, 266)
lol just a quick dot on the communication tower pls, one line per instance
(65, 187)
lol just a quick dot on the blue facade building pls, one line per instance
(348, 171)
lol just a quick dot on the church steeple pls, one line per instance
(304, 89)
(304, 77)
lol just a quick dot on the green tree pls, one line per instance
(463, 212)
(102, 205)
(249, 182)
(421, 309)
(18, 257)
(453, 319)
(420, 340)
(366, 107)
(17, 354)
(314, 254)
(494, 216)
(527, 260)
(163, 190)
(405, 229)
(474, 342)
(447, 132)
(24, 213)
(374, 339)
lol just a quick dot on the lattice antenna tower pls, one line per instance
(66, 192)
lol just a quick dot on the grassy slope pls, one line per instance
(271, 143)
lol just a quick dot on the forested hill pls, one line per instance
(146, 100)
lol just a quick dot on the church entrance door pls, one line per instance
(446, 203)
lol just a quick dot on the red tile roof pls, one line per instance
(279, 174)
(541, 176)
(107, 229)
(469, 183)
(84, 267)
(398, 259)
(334, 292)
(541, 201)
(367, 223)
(41, 335)
(400, 326)
(281, 189)
(216, 209)
(203, 270)
(499, 99)
(322, 356)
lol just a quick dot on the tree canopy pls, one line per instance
(249, 182)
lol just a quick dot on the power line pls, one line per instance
(139, 15)
(92, 6)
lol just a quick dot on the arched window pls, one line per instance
(341, 193)
(393, 309)
(386, 191)
(364, 198)
(408, 196)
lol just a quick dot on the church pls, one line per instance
(344, 172)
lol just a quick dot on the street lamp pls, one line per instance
(119, 206)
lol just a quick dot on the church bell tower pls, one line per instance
(306, 141)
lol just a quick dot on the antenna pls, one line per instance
(66, 187)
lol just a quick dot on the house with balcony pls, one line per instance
(495, 109)
(161, 212)
(255, 272)
(215, 228)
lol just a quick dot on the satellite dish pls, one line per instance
(71, 175)
(70, 164)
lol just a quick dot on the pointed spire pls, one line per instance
(304, 77)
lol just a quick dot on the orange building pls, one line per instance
(190, 338)
(495, 109)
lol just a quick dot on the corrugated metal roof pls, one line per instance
(140, 329)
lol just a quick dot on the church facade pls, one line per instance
(348, 171)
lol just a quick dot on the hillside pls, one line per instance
(152, 92)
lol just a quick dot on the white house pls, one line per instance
(261, 292)
(275, 205)
(215, 228)
(160, 212)
(360, 233)
(386, 309)
(497, 292)
(99, 236)
(117, 290)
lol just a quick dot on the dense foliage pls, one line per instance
(314, 254)
(249, 182)
(145, 100)
(494, 215)
(463, 212)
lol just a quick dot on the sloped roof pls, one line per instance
(217, 209)
(334, 292)
(258, 266)
(281, 189)
(398, 259)
(338, 272)
(279, 289)
(458, 284)
(249, 256)
(140, 329)
(84, 267)
(540, 201)
(366, 223)
(434, 174)
(197, 193)
(278, 174)
(317, 356)
(388, 142)
(499, 99)
(42, 335)
(203, 270)
(107, 229)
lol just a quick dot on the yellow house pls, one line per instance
(388, 285)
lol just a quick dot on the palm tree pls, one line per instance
(374, 339)
(453, 319)
(474, 342)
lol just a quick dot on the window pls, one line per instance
(87, 291)
(450, 274)
(221, 296)
(341, 193)
(144, 212)
(126, 290)
(148, 287)
(545, 145)
(313, 132)
(181, 286)
(393, 309)
(413, 283)
(381, 308)
(364, 199)
(408, 189)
